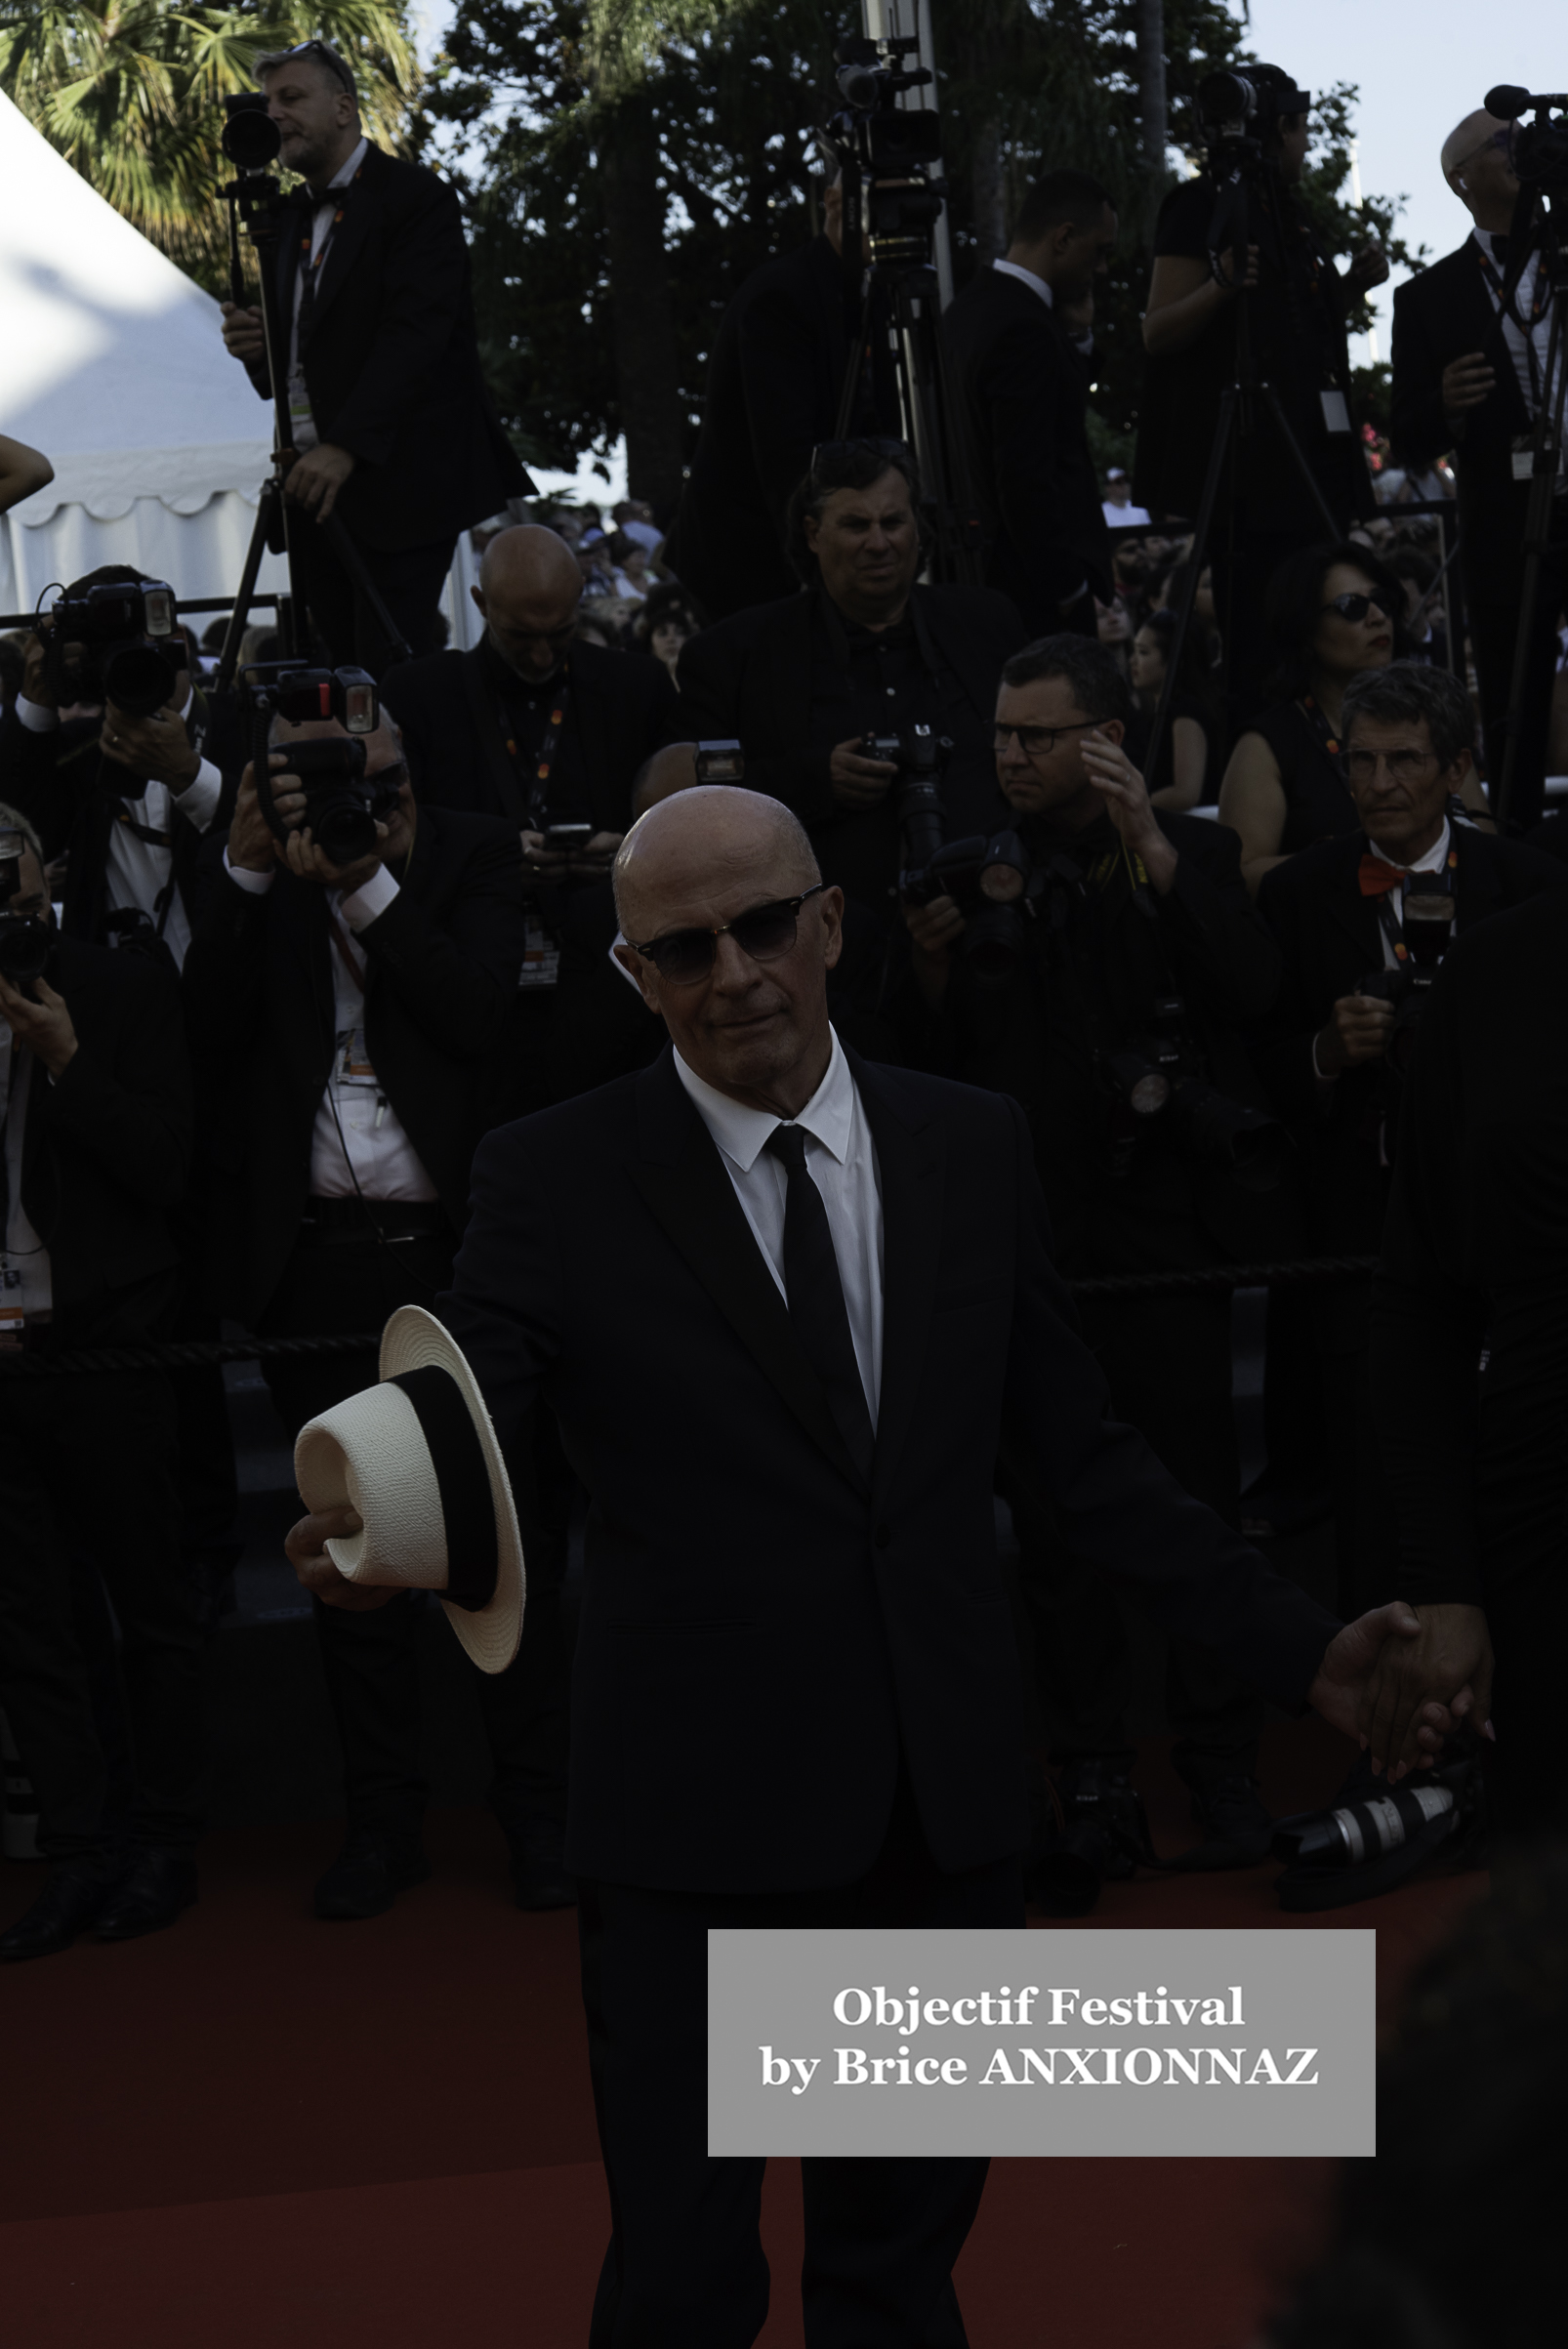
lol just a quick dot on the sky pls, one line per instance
(1419, 70)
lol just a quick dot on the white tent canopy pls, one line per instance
(111, 363)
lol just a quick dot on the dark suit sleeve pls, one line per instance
(1118, 1506)
(222, 977)
(132, 1110)
(1418, 429)
(424, 274)
(779, 371)
(508, 1297)
(1222, 948)
(1017, 438)
(1285, 1051)
(456, 977)
(711, 672)
(34, 782)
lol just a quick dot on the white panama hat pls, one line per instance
(417, 1458)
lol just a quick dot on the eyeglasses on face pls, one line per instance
(1356, 608)
(1404, 765)
(765, 934)
(1501, 139)
(1036, 742)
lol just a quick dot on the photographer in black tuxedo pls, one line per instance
(394, 429)
(1133, 941)
(1018, 355)
(95, 1153)
(347, 1021)
(865, 650)
(794, 1698)
(1468, 377)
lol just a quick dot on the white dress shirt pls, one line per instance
(841, 1159)
(25, 1274)
(353, 1110)
(302, 423)
(139, 872)
(1512, 334)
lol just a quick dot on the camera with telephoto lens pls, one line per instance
(127, 642)
(1236, 116)
(249, 137)
(1539, 149)
(891, 145)
(989, 882)
(24, 939)
(1428, 922)
(1157, 1077)
(342, 803)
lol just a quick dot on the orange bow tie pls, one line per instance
(1378, 879)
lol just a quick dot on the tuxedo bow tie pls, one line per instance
(1378, 879)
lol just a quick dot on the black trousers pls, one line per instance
(1168, 1362)
(1493, 589)
(90, 1463)
(409, 581)
(685, 2267)
(369, 1660)
(1366, 1525)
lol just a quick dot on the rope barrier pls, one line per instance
(198, 1354)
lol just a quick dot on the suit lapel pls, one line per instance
(911, 1166)
(1356, 916)
(349, 233)
(1477, 890)
(680, 1175)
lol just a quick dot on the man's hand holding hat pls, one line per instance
(307, 1551)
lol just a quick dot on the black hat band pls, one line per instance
(463, 1481)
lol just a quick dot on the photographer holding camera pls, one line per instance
(94, 1152)
(1363, 923)
(816, 687)
(390, 423)
(129, 797)
(1469, 377)
(348, 991)
(1296, 306)
(1105, 984)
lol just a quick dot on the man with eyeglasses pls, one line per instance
(1470, 354)
(391, 424)
(1134, 939)
(865, 650)
(347, 1021)
(829, 1303)
(1340, 913)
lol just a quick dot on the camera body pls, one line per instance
(131, 645)
(1237, 116)
(1158, 1077)
(342, 803)
(888, 147)
(1539, 149)
(24, 940)
(989, 882)
(250, 137)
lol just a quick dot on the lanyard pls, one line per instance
(310, 264)
(545, 760)
(1318, 722)
(357, 970)
(1393, 928)
(1509, 308)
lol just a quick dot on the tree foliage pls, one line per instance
(131, 92)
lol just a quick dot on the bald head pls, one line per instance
(529, 591)
(1476, 169)
(704, 844)
(672, 770)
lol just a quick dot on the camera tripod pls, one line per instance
(256, 200)
(1246, 401)
(1534, 229)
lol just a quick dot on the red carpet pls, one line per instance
(263, 2131)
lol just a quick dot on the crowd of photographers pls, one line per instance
(271, 964)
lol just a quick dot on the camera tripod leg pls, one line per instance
(240, 617)
(1548, 459)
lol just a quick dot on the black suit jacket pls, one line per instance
(762, 678)
(442, 973)
(618, 712)
(107, 1150)
(391, 361)
(1023, 390)
(759, 1631)
(778, 365)
(1330, 938)
(1442, 314)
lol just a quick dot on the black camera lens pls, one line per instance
(344, 826)
(250, 137)
(136, 678)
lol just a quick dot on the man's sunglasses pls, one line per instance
(1356, 608)
(1037, 742)
(764, 934)
(329, 58)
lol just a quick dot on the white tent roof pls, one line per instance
(110, 360)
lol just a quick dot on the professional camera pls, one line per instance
(1428, 921)
(1539, 149)
(342, 803)
(889, 145)
(1236, 116)
(989, 882)
(24, 939)
(128, 643)
(250, 137)
(1159, 1076)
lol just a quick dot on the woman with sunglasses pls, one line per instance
(1332, 613)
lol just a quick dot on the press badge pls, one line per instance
(353, 1060)
(1336, 415)
(541, 956)
(1522, 457)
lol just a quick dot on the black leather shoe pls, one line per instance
(73, 1899)
(158, 1884)
(1234, 1830)
(538, 1872)
(368, 1874)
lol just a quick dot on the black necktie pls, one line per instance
(815, 1295)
